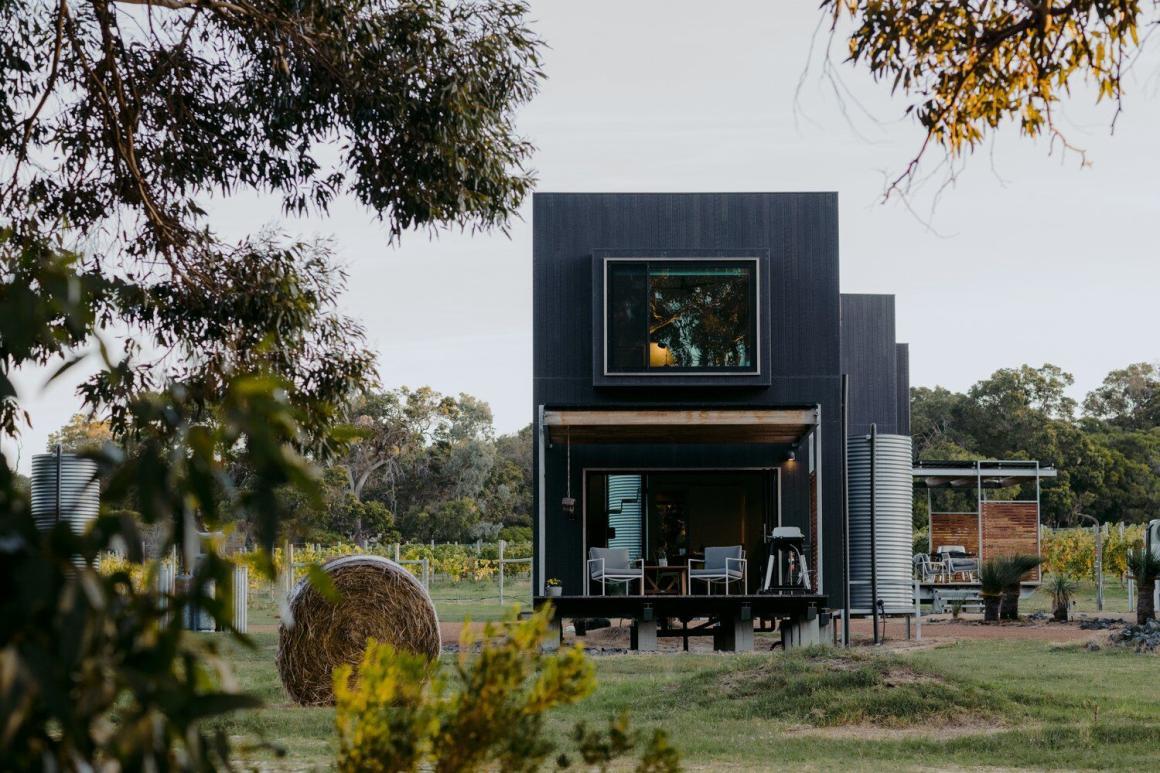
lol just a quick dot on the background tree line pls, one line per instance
(1107, 450)
(428, 466)
(421, 466)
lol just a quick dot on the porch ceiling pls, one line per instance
(771, 426)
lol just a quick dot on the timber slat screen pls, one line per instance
(955, 529)
(1010, 528)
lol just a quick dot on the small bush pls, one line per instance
(404, 713)
(1062, 589)
(516, 534)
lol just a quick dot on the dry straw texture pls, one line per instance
(378, 599)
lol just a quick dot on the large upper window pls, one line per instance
(694, 315)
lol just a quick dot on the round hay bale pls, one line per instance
(379, 599)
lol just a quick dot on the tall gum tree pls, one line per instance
(118, 118)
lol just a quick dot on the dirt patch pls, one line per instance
(449, 632)
(897, 676)
(1010, 631)
(935, 632)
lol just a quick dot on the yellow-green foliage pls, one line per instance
(968, 68)
(1073, 551)
(456, 562)
(404, 713)
(141, 576)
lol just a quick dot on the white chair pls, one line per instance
(721, 564)
(958, 563)
(927, 569)
(613, 565)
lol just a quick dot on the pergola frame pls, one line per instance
(981, 474)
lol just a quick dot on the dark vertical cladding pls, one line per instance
(797, 235)
(902, 369)
(869, 357)
(798, 231)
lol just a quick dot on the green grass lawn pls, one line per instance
(479, 600)
(977, 703)
(1115, 597)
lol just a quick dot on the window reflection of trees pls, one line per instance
(701, 316)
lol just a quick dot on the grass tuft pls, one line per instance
(827, 688)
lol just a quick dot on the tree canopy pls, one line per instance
(1128, 399)
(424, 466)
(226, 367)
(1108, 458)
(967, 68)
(82, 433)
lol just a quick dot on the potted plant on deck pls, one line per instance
(1145, 567)
(1062, 588)
(555, 588)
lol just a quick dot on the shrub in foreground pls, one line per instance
(404, 713)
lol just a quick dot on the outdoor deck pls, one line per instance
(729, 619)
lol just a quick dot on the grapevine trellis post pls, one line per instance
(502, 543)
(1099, 534)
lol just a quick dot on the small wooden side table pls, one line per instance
(672, 580)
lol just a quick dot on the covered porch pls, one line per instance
(654, 498)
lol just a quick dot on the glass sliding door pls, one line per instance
(677, 514)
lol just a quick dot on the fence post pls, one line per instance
(396, 552)
(917, 612)
(166, 579)
(287, 569)
(1099, 568)
(427, 575)
(241, 597)
(501, 546)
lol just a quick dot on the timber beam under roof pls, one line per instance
(772, 426)
(984, 473)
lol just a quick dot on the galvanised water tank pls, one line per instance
(76, 482)
(893, 530)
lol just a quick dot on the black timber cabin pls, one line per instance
(688, 360)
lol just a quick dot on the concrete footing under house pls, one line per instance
(730, 620)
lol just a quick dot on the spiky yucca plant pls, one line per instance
(1145, 567)
(1018, 565)
(992, 578)
(1062, 588)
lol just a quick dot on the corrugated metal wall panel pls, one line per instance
(902, 387)
(624, 494)
(869, 357)
(893, 530)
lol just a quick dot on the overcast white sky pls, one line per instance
(1051, 263)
